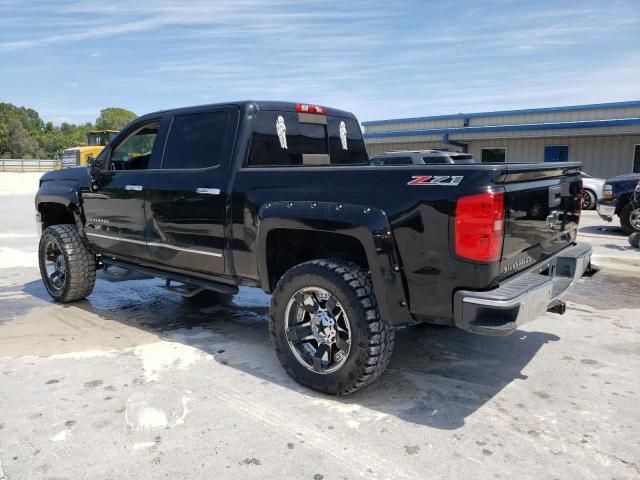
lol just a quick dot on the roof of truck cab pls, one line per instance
(254, 104)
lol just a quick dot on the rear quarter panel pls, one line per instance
(420, 217)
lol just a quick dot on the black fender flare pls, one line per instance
(64, 195)
(370, 226)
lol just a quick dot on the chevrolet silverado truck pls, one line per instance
(280, 196)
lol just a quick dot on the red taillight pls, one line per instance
(479, 228)
(304, 108)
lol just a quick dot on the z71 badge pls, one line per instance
(444, 180)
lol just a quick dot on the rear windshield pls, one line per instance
(280, 139)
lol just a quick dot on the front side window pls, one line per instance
(196, 140)
(134, 152)
(636, 159)
(494, 155)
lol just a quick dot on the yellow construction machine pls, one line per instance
(96, 141)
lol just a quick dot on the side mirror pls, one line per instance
(96, 172)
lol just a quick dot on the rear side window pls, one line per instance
(280, 139)
(196, 140)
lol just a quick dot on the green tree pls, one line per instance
(20, 144)
(19, 131)
(23, 134)
(114, 118)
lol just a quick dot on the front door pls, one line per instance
(187, 196)
(115, 209)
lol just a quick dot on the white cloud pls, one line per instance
(377, 59)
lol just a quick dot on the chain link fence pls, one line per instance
(28, 165)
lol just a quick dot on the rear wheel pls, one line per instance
(634, 239)
(630, 218)
(326, 327)
(588, 200)
(67, 266)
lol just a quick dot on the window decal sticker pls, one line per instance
(443, 180)
(281, 128)
(343, 135)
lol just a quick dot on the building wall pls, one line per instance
(505, 118)
(601, 156)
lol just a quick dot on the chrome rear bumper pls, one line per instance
(523, 297)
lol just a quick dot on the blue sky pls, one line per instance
(379, 59)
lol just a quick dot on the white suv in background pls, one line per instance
(420, 157)
(591, 191)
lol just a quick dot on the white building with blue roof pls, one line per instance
(605, 137)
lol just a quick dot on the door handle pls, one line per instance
(135, 188)
(208, 191)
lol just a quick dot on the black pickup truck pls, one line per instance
(280, 196)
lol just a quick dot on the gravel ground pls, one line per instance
(134, 383)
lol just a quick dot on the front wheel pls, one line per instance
(630, 218)
(67, 266)
(326, 327)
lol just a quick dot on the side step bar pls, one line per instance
(191, 285)
(183, 289)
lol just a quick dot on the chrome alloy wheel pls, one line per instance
(318, 330)
(54, 265)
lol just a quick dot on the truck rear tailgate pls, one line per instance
(542, 211)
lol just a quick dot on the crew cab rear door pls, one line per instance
(186, 196)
